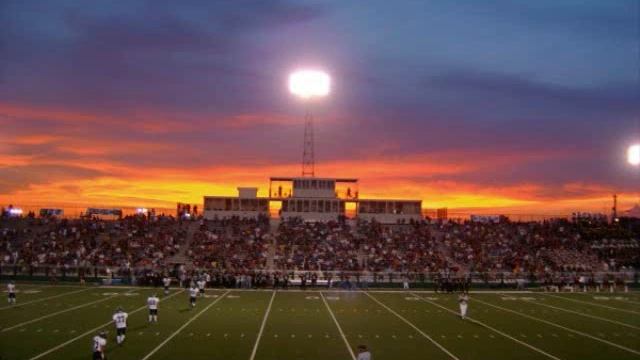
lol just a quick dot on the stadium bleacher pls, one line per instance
(136, 246)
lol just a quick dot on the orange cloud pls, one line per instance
(434, 177)
(251, 120)
(161, 188)
(14, 160)
(144, 119)
(36, 139)
(147, 120)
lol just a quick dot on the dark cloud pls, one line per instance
(614, 19)
(158, 54)
(508, 92)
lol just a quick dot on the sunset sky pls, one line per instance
(510, 106)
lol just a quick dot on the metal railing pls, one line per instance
(360, 278)
(75, 210)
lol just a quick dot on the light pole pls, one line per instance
(308, 85)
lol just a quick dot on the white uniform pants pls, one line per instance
(463, 310)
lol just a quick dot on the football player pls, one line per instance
(166, 282)
(193, 293)
(11, 289)
(120, 319)
(152, 304)
(363, 353)
(463, 300)
(201, 286)
(99, 343)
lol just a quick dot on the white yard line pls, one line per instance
(491, 328)
(46, 298)
(93, 330)
(592, 303)
(296, 288)
(413, 326)
(562, 327)
(620, 297)
(184, 326)
(627, 301)
(264, 322)
(335, 321)
(585, 315)
(60, 312)
(48, 285)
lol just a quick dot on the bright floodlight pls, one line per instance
(309, 83)
(15, 212)
(633, 155)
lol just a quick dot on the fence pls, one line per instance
(75, 211)
(358, 278)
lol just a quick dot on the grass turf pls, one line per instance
(58, 322)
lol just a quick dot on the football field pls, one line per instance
(58, 322)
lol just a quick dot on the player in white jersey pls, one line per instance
(463, 300)
(152, 304)
(193, 293)
(201, 285)
(99, 343)
(363, 353)
(120, 319)
(166, 282)
(11, 289)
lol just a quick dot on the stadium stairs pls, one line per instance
(273, 245)
(181, 257)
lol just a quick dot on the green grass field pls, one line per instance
(58, 322)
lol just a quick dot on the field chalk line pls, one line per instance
(46, 298)
(585, 315)
(264, 322)
(592, 303)
(346, 342)
(93, 330)
(413, 326)
(491, 328)
(60, 312)
(185, 325)
(562, 327)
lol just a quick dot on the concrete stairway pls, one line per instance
(271, 252)
(181, 257)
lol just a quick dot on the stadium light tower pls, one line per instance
(308, 85)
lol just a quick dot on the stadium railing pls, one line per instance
(105, 274)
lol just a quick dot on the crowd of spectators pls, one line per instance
(134, 242)
(234, 243)
(233, 250)
(536, 247)
(442, 247)
(316, 246)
